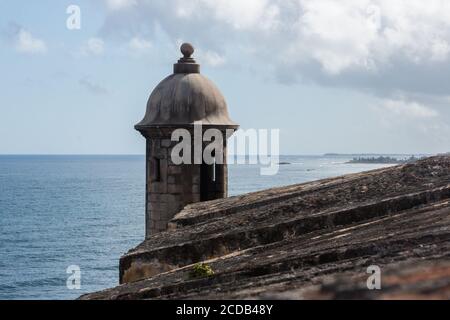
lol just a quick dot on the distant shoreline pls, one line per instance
(376, 154)
(383, 160)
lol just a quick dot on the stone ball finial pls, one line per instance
(186, 64)
(187, 50)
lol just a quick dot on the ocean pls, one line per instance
(58, 211)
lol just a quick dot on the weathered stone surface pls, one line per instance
(405, 280)
(312, 240)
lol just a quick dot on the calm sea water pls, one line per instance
(57, 211)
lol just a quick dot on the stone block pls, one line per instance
(154, 146)
(152, 223)
(195, 188)
(174, 188)
(167, 216)
(156, 215)
(166, 143)
(155, 197)
(174, 169)
(163, 206)
(196, 178)
(157, 187)
(160, 153)
(172, 179)
(168, 198)
(174, 207)
(161, 225)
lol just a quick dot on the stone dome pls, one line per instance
(186, 97)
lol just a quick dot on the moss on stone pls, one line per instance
(201, 270)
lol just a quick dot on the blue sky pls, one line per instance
(348, 77)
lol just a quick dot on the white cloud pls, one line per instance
(368, 35)
(336, 34)
(25, 42)
(440, 50)
(210, 58)
(92, 87)
(380, 45)
(414, 124)
(94, 46)
(402, 108)
(120, 4)
(241, 15)
(139, 45)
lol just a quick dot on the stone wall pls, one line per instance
(283, 242)
(170, 187)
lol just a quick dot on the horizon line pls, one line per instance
(241, 155)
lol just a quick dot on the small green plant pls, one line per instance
(201, 270)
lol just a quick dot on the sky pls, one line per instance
(350, 76)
